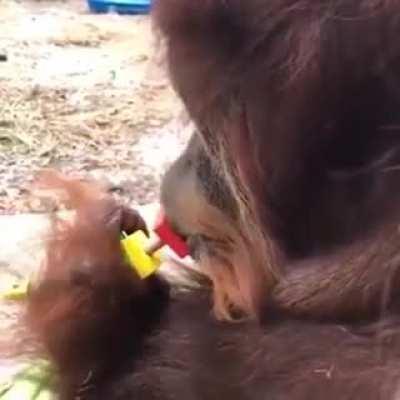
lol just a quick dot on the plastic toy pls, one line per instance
(169, 237)
(144, 254)
(134, 248)
(17, 290)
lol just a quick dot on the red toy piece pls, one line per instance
(169, 237)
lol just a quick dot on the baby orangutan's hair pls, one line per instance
(86, 295)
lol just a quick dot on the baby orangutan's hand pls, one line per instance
(132, 221)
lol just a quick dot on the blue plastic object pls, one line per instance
(120, 6)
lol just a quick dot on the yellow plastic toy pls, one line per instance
(17, 290)
(134, 249)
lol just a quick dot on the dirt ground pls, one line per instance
(86, 94)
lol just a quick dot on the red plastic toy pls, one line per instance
(169, 237)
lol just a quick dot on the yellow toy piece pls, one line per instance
(18, 290)
(133, 247)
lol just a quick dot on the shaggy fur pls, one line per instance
(296, 105)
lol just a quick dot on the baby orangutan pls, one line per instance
(112, 335)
